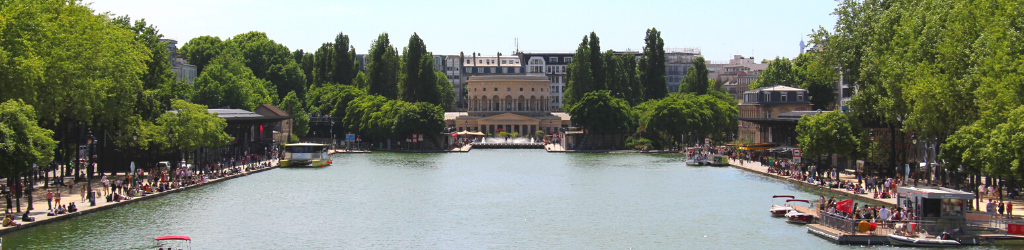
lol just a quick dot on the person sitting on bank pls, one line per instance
(72, 208)
(51, 213)
(9, 221)
(26, 218)
(61, 210)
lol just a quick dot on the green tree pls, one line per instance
(579, 79)
(194, 127)
(227, 82)
(382, 72)
(447, 92)
(22, 142)
(652, 66)
(342, 60)
(696, 80)
(307, 64)
(826, 133)
(597, 68)
(779, 72)
(818, 77)
(201, 50)
(332, 99)
(323, 67)
(159, 68)
(418, 81)
(599, 112)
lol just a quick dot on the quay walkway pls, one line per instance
(40, 207)
(756, 167)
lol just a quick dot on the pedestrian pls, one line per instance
(82, 195)
(49, 199)
(1009, 209)
(56, 197)
(1002, 208)
(990, 208)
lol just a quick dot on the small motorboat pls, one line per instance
(177, 241)
(780, 210)
(922, 241)
(797, 217)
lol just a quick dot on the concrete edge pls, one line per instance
(64, 217)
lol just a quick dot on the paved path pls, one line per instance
(756, 167)
(40, 208)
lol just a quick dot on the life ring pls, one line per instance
(863, 226)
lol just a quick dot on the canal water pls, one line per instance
(484, 199)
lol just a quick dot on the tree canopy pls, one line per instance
(22, 142)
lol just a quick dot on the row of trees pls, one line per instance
(69, 72)
(609, 93)
(947, 72)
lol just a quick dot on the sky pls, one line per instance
(720, 29)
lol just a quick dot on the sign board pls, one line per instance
(797, 153)
(707, 141)
(796, 159)
(1017, 229)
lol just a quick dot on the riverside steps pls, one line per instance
(40, 211)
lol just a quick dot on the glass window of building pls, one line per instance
(553, 59)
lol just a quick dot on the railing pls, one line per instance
(882, 228)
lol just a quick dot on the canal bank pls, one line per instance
(756, 167)
(102, 204)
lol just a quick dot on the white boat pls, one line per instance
(797, 217)
(923, 241)
(780, 210)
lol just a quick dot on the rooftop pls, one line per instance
(775, 88)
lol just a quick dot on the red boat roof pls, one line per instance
(174, 238)
(784, 196)
(797, 200)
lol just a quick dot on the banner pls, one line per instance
(1015, 229)
(845, 206)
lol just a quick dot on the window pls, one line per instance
(508, 89)
(767, 97)
(533, 89)
(480, 61)
(468, 61)
(784, 97)
(520, 89)
(553, 59)
(800, 97)
(536, 61)
(567, 59)
(495, 89)
(504, 61)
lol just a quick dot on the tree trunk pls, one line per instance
(29, 190)
(17, 193)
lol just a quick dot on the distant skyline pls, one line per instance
(763, 29)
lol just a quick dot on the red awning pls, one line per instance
(174, 238)
(784, 196)
(792, 200)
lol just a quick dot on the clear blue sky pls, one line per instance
(764, 29)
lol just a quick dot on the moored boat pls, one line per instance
(780, 210)
(899, 240)
(798, 217)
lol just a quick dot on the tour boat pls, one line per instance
(921, 241)
(178, 241)
(797, 217)
(780, 210)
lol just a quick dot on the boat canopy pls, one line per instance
(796, 200)
(174, 238)
(784, 196)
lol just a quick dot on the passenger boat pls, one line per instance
(177, 241)
(305, 155)
(797, 217)
(921, 241)
(780, 210)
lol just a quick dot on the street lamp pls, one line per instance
(90, 140)
(872, 135)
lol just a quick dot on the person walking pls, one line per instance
(82, 195)
(1002, 208)
(49, 199)
(1009, 209)
(56, 197)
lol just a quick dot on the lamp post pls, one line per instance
(913, 139)
(135, 139)
(170, 136)
(90, 143)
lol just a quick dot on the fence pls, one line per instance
(933, 227)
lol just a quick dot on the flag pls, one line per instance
(845, 206)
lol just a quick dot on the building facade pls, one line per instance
(677, 62)
(553, 66)
(511, 103)
(760, 110)
(183, 71)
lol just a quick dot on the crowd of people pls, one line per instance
(136, 184)
(864, 211)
